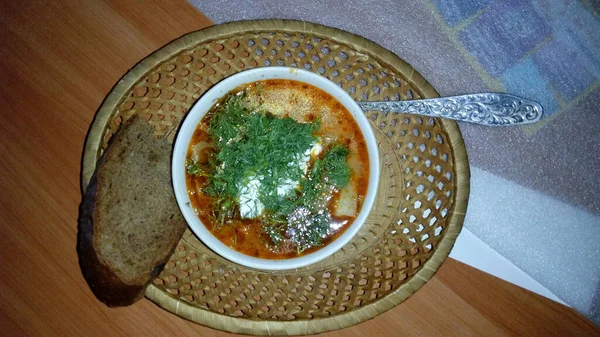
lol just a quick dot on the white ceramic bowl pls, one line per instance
(207, 101)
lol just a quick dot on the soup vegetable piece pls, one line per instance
(274, 181)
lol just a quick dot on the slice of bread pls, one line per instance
(129, 221)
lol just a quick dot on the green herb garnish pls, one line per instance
(307, 217)
(335, 170)
(255, 145)
(193, 168)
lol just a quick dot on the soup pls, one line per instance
(277, 169)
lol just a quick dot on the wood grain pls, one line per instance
(57, 62)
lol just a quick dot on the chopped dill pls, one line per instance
(307, 217)
(256, 146)
(335, 170)
(193, 168)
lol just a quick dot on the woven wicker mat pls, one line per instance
(417, 216)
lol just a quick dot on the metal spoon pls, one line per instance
(491, 109)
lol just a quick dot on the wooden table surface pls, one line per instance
(58, 60)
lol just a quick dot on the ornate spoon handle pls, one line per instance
(492, 109)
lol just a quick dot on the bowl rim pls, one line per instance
(207, 101)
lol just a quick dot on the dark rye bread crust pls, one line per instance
(107, 287)
(104, 277)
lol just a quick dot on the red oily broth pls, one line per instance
(304, 103)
